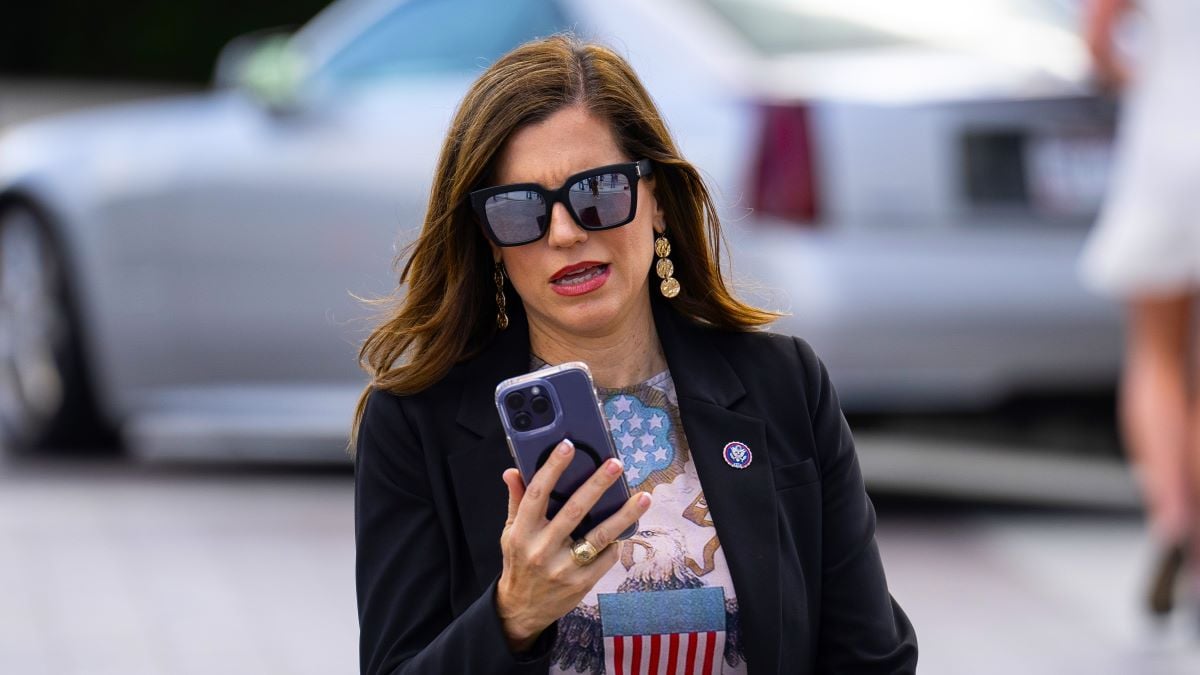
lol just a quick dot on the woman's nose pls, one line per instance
(564, 231)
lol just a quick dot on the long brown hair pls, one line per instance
(448, 313)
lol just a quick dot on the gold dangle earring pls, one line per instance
(501, 316)
(665, 268)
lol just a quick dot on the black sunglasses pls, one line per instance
(598, 199)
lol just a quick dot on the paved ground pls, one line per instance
(106, 569)
(112, 568)
(999, 590)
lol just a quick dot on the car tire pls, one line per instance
(46, 399)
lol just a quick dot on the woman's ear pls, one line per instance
(660, 223)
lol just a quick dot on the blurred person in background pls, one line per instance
(511, 272)
(1145, 251)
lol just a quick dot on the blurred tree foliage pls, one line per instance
(175, 40)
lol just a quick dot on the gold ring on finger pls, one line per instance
(583, 552)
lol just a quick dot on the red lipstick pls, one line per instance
(571, 269)
(580, 278)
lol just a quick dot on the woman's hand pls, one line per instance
(540, 581)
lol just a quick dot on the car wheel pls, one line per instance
(45, 398)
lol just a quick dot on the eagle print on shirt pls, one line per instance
(675, 548)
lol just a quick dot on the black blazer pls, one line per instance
(796, 526)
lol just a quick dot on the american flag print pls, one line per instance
(679, 632)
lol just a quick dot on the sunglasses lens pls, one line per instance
(603, 200)
(516, 217)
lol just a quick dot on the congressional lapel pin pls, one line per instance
(737, 454)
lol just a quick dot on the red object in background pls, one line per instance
(784, 184)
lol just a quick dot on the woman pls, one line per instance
(1145, 251)
(756, 540)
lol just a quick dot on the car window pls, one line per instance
(778, 27)
(441, 36)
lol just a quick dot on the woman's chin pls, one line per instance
(600, 316)
(587, 322)
(605, 311)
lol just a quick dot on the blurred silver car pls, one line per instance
(910, 181)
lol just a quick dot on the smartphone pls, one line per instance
(540, 409)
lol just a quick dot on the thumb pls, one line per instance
(516, 490)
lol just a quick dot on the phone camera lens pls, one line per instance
(522, 421)
(514, 401)
(540, 404)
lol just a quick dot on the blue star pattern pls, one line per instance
(641, 434)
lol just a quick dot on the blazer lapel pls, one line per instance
(741, 501)
(481, 454)
(482, 500)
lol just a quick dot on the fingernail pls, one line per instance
(643, 500)
(565, 446)
(613, 467)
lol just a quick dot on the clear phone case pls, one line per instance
(540, 409)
